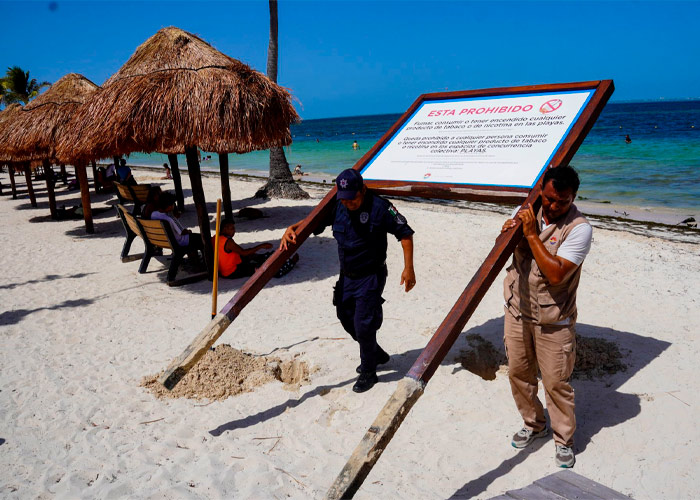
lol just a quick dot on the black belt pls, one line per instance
(363, 273)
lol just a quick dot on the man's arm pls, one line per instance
(408, 276)
(554, 268)
(232, 246)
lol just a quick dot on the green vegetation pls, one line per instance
(16, 86)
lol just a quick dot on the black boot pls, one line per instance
(382, 359)
(365, 382)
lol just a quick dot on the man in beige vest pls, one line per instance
(540, 301)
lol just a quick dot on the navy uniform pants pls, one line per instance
(358, 303)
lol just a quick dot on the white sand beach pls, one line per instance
(80, 330)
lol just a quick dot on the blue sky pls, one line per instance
(368, 57)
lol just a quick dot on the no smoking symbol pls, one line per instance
(551, 105)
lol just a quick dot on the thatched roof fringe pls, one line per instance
(34, 132)
(176, 91)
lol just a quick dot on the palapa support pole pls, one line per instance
(215, 286)
(13, 185)
(177, 180)
(201, 205)
(81, 173)
(30, 188)
(48, 175)
(225, 185)
(64, 174)
(94, 176)
(413, 384)
(179, 367)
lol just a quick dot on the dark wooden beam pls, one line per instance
(200, 204)
(64, 174)
(446, 193)
(30, 187)
(81, 173)
(50, 182)
(177, 180)
(225, 185)
(13, 184)
(94, 176)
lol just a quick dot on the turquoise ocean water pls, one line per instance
(659, 168)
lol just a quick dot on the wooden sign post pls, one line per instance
(462, 151)
(215, 281)
(411, 387)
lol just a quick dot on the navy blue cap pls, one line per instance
(349, 182)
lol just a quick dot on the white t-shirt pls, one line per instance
(182, 239)
(576, 245)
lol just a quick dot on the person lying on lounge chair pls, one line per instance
(185, 238)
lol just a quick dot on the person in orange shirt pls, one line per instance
(234, 260)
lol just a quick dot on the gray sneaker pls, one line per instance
(525, 436)
(564, 457)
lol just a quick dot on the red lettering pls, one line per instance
(528, 107)
(480, 111)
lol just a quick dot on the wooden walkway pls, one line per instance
(564, 485)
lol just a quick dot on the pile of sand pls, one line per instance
(224, 371)
(595, 358)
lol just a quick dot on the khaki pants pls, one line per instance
(552, 348)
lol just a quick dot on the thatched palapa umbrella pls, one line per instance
(41, 123)
(7, 117)
(177, 93)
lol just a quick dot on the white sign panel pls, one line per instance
(489, 141)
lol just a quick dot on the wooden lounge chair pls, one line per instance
(136, 194)
(155, 234)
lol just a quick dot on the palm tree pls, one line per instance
(18, 87)
(280, 183)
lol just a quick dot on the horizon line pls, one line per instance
(621, 101)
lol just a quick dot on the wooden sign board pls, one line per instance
(564, 138)
(491, 144)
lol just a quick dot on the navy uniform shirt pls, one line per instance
(361, 234)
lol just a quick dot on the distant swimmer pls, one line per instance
(628, 139)
(355, 145)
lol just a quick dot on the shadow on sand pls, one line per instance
(48, 277)
(598, 403)
(13, 317)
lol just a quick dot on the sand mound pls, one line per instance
(225, 371)
(595, 358)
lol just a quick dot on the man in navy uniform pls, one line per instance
(360, 223)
